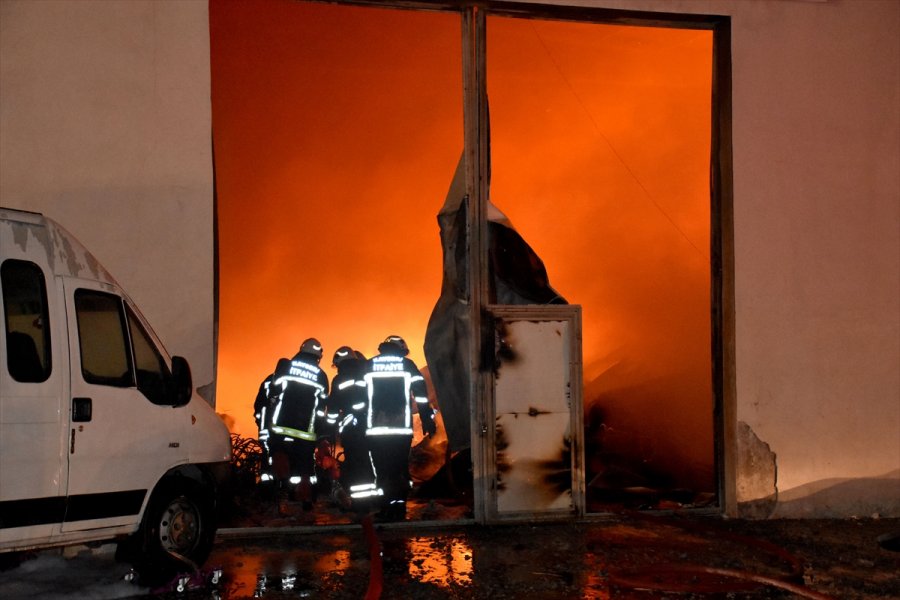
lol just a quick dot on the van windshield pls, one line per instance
(153, 376)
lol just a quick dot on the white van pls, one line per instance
(102, 436)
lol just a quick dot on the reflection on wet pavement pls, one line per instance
(443, 563)
(290, 566)
(621, 558)
(333, 563)
(338, 565)
(546, 561)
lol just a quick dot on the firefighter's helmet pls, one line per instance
(342, 354)
(397, 341)
(312, 346)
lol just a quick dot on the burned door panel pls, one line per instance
(537, 444)
(534, 471)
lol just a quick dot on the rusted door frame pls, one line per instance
(476, 161)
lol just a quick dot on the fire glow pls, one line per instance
(337, 130)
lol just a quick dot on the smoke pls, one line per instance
(335, 144)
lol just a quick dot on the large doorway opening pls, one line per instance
(600, 153)
(337, 130)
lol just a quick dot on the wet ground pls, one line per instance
(633, 555)
(627, 556)
(274, 549)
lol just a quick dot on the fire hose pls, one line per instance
(660, 577)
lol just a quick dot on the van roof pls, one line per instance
(33, 236)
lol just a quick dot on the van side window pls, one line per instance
(105, 355)
(27, 325)
(153, 376)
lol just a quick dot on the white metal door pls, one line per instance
(120, 443)
(33, 424)
(537, 444)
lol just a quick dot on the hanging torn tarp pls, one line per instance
(516, 276)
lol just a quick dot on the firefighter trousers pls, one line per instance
(390, 456)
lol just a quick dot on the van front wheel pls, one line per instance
(180, 527)
(177, 532)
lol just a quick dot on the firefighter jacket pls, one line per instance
(391, 382)
(347, 402)
(262, 409)
(262, 404)
(300, 386)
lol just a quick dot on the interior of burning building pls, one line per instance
(337, 133)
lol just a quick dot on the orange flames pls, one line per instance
(337, 131)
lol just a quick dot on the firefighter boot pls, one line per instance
(304, 493)
(339, 496)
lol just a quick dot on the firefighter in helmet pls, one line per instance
(348, 401)
(393, 384)
(300, 389)
(262, 412)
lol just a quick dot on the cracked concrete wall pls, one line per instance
(757, 475)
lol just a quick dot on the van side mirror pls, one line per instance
(181, 376)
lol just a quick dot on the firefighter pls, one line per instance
(262, 411)
(300, 387)
(393, 383)
(332, 412)
(348, 402)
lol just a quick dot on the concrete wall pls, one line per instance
(817, 243)
(104, 125)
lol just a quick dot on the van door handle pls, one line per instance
(81, 410)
